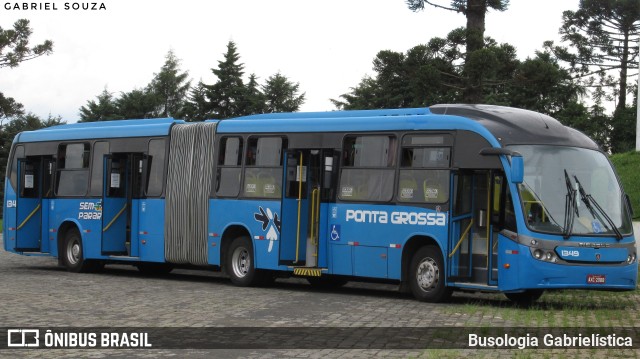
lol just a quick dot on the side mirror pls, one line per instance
(517, 162)
(517, 169)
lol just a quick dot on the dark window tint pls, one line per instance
(97, 167)
(155, 164)
(18, 152)
(367, 173)
(73, 169)
(263, 170)
(229, 170)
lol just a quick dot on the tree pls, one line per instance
(103, 109)
(196, 106)
(170, 88)
(227, 97)
(137, 104)
(475, 12)
(254, 97)
(282, 95)
(14, 45)
(14, 49)
(603, 36)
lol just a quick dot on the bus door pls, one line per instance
(472, 244)
(34, 184)
(116, 204)
(301, 198)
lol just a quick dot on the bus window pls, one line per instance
(263, 170)
(155, 165)
(367, 173)
(422, 179)
(229, 167)
(18, 153)
(73, 169)
(97, 167)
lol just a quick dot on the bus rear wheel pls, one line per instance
(240, 264)
(426, 276)
(73, 254)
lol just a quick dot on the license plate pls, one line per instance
(596, 278)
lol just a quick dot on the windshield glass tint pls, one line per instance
(544, 191)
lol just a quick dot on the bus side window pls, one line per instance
(368, 168)
(229, 167)
(263, 167)
(97, 167)
(424, 175)
(73, 169)
(155, 168)
(18, 152)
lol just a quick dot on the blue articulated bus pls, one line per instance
(450, 197)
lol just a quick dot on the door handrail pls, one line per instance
(315, 213)
(464, 234)
(114, 218)
(30, 215)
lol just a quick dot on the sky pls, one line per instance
(326, 46)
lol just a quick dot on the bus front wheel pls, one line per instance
(73, 256)
(426, 276)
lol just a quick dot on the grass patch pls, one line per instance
(627, 165)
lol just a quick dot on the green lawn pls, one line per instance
(628, 168)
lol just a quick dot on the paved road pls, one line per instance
(36, 292)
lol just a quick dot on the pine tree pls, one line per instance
(475, 12)
(227, 97)
(197, 107)
(170, 88)
(282, 95)
(102, 109)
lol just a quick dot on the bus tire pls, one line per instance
(73, 254)
(427, 276)
(241, 263)
(526, 298)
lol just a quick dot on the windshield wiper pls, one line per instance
(570, 207)
(591, 202)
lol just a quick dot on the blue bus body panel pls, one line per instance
(151, 230)
(367, 240)
(224, 213)
(10, 212)
(526, 272)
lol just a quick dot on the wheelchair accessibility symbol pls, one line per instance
(335, 232)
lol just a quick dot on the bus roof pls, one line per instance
(501, 126)
(101, 129)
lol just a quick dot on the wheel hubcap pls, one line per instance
(427, 274)
(241, 262)
(73, 252)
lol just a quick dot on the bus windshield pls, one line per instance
(571, 191)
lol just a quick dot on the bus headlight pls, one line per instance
(537, 253)
(631, 258)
